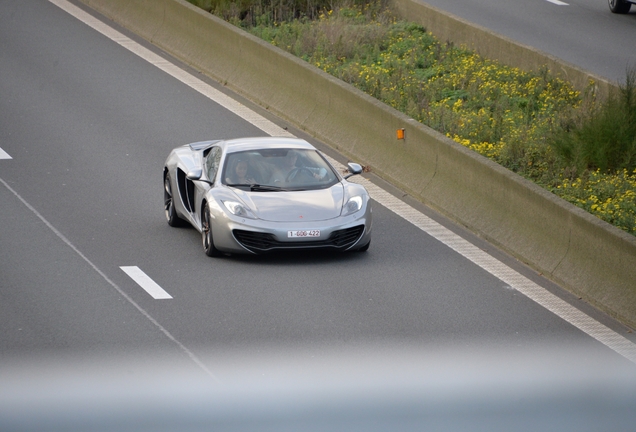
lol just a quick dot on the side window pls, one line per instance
(212, 162)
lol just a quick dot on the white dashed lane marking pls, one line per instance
(144, 281)
(4, 155)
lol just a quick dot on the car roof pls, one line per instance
(243, 144)
(253, 143)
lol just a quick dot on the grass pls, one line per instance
(534, 124)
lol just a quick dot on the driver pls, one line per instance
(288, 165)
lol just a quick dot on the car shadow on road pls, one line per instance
(305, 257)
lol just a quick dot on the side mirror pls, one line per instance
(354, 169)
(195, 174)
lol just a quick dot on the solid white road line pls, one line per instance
(510, 277)
(145, 282)
(557, 2)
(4, 155)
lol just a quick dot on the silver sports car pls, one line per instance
(257, 195)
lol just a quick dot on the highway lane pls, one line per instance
(582, 32)
(53, 301)
(88, 126)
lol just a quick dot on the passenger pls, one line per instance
(239, 174)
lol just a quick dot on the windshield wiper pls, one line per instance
(265, 188)
(255, 187)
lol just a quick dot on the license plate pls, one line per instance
(303, 233)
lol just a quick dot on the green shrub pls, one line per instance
(249, 13)
(604, 138)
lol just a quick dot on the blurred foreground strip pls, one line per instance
(375, 388)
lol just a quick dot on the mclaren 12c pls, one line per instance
(260, 195)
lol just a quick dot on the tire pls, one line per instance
(168, 204)
(206, 235)
(619, 6)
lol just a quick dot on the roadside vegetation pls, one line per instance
(534, 124)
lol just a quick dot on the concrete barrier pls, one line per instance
(587, 256)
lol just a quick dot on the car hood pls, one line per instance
(296, 206)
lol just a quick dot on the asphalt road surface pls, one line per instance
(85, 127)
(582, 32)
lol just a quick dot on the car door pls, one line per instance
(211, 164)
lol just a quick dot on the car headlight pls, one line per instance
(238, 209)
(353, 205)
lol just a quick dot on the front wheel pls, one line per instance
(206, 235)
(168, 204)
(619, 6)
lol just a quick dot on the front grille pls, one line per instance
(264, 242)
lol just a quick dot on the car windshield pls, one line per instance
(278, 169)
